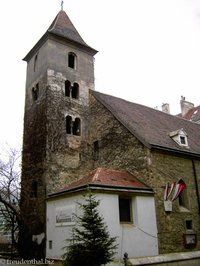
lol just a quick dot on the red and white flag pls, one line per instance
(180, 186)
(168, 190)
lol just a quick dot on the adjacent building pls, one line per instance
(189, 111)
(126, 204)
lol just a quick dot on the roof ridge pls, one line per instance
(150, 126)
(142, 105)
(53, 23)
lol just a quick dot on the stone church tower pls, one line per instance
(60, 73)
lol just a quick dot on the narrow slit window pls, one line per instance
(35, 62)
(96, 150)
(34, 189)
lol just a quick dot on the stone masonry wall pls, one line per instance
(164, 168)
(34, 154)
(64, 151)
(119, 149)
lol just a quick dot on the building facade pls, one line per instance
(70, 130)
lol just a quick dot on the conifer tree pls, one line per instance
(91, 243)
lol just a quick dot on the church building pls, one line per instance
(71, 131)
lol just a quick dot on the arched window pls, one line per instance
(67, 88)
(77, 127)
(69, 124)
(75, 91)
(72, 60)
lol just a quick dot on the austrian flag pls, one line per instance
(180, 186)
(177, 187)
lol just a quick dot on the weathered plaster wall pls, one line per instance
(138, 239)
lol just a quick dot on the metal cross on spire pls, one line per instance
(62, 2)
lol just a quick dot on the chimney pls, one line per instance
(165, 108)
(185, 106)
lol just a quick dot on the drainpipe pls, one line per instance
(196, 183)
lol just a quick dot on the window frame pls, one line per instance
(183, 140)
(128, 200)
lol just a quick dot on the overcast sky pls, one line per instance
(149, 50)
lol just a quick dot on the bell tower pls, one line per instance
(60, 73)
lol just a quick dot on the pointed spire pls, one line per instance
(62, 26)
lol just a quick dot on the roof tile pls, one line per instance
(107, 178)
(150, 126)
(63, 26)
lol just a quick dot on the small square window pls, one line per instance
(125, 210)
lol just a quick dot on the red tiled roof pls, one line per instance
(101, 177)
(150, 126)
(193, 114)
